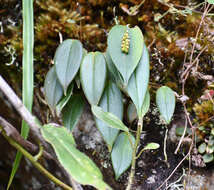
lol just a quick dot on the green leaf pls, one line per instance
(165, 100)
(208, 158)
(110, 119)
(77, 78)
(146, 103)
(180, 131)
(211, 140)
(52, 88)
(57, 133)
(151, 146)
(77, 164)
(125, 63)
(202, 148)
(64, 99)
(77, 81)
(72, 111)
(131, 112)
(112, 102)
(84, 52)
(138, 82)
(67, 60)
(121, 155)
(210, 1)
(93, 76)
(113, 72)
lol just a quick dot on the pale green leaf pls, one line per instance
(121, 155)
(208, 158)
(77, 78)
(131, 112)
(57, 133)
(112, 102)
(64, 99)
(211, 140)
(93, 76)
(138, 82)
(210, 1)
(114, 74)
(125, 63)
(67, 60)
(77, 164)
(202, 148)
(52, 88)
(72, 111)
(165, 100)
(151, 146)
(110, 119)
(146, 103)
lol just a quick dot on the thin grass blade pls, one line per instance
(27, 77)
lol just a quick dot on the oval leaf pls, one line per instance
(211, 141)
(125, 62)
(54, 132)
(202, 148)
(113, 72)
(146, 103)
(138, 82)
(93, 76)
(67, 59)
(72, 111)
(131, 112)
(112, 102)
(151, 146)
(165, 100)
(110, 119)
(64, 99)
(208, 158)
(77, 164)
(121, 155)
(77, 77)
(52, 88)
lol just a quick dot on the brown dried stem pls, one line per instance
(12, 132)
(22, 110)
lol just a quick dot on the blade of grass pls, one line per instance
(27, 76)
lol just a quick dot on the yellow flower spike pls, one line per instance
(125, 42)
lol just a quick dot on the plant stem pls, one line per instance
(137, 7)
(139, 130)
(41, 150)
(164, 147)
(35, 163)
(140, 153)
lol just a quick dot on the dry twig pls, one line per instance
(22, 110)
(14, 134)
